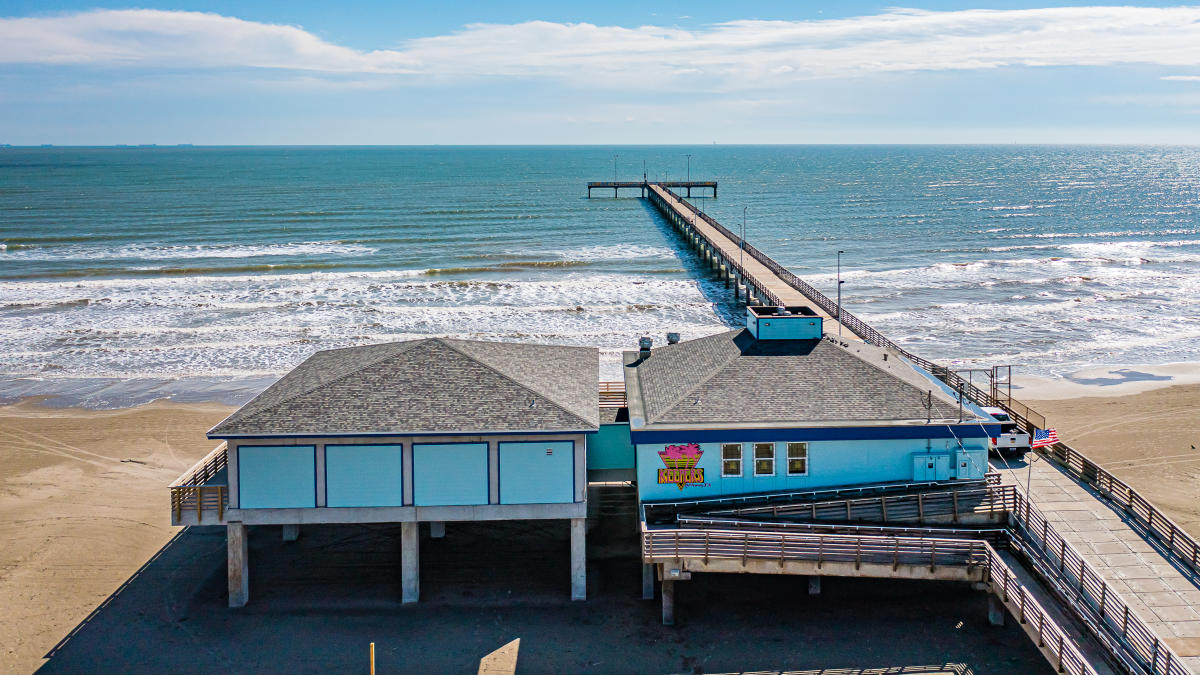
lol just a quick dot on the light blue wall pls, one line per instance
(363, 475)
(792, 327)
(537, 472)
(830, 464)
(610, 448)
(448, 474)
(277, 476)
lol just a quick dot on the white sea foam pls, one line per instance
(95, 252)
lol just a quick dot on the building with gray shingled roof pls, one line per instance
(435, 430)
(776, 407)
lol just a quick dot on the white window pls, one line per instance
(797, 459)
(731, 459)
(764, 459)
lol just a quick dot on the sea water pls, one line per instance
(128, 274)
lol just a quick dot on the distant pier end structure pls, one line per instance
(644, 186)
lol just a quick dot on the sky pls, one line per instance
(527, 72)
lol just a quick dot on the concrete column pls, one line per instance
(814, 584)
(647, 581)
(579, 558)
(291, 532)
(668, 602)
(996, 610)
(410, 583)
(239, 564)
(437, 529)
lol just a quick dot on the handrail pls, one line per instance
(191, 491)
(1177, 540)
(1089, 596)
(672, 545)
(992, 500)
(612, 395)
(1020, 412)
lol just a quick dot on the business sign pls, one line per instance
(680, 462)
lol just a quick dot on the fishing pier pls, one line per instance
(643, 186)
(1098, 577)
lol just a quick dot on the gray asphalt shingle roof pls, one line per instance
(732, 379)
(435, 385)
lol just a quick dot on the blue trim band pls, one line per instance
(423, 434)
(818, 433)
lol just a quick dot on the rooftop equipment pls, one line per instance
(783, 323)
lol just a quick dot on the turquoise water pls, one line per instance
(132, 273)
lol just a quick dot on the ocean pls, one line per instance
(196, 273)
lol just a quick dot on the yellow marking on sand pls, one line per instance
(503, 661)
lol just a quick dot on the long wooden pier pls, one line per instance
(1121, 568)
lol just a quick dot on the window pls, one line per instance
(797, 459)
(731, 459)
(764, 459)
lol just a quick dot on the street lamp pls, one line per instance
(689, 173)
(840, 282)
(615, 167)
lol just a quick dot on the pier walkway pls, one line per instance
(1107, 555)
(1158, 587)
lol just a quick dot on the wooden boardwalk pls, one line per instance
(760, 279)
(1159, 589)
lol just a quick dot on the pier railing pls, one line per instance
(670, 546)
(612, 395)
(991, 501)
(1177, 541)
(191, 491)
(1088, 595)
(1021, 413)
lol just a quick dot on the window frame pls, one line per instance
(741, 458)
(804, 446)
(771, 459)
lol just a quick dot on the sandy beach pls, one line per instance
(83, 504)
(83, 499)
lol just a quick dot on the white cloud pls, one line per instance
(729, 55)
(1182, 78)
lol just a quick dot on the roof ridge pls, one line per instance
(937, 392)
(699, 383)
(536, 390)
(304, 392)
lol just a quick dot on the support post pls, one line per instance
(291, 532)
(668, 602)
(996, 610)
(579, 558)
(437, 529)
(647, 581)
(814, 584)
(239, 564)
(410, 584)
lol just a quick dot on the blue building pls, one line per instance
(433, 430)
(776, 406)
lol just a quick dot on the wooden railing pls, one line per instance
(1087, 594)
(612, 395)
(674, 544)
(190, 491)
(991, 500)
(993, 535)
(1050, 635)
(1022, 414)
(667, 546)
(1181, 544)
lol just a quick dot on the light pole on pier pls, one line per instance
(615, 167)
(689, 173)
(839, 280)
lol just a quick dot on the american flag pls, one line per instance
(1044, 437)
